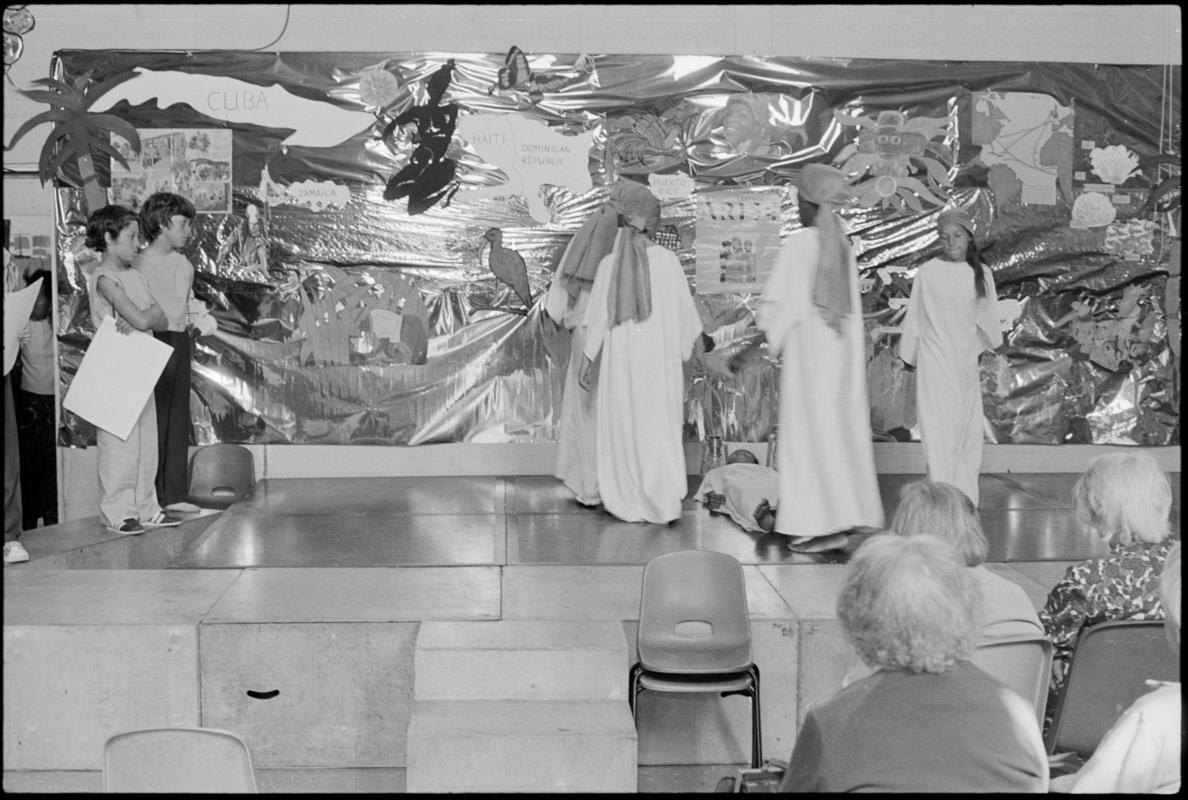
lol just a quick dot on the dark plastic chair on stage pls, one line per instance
(695, 632)
(220, 474)
(1023, 663)
(1108, 671)
(177, 760)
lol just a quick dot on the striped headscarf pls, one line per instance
(825, 186)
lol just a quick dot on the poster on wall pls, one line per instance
(192, 162)
(738, 239)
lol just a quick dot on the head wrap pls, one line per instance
(956, 216)
(825, 186)
(630, 295)
(631, 284)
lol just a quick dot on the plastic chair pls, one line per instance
(190, 760)
(1108, 671)
(1023, 663)
(695, 632)
(220, 474)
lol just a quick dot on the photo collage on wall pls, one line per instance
(194, 162)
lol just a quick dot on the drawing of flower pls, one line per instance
(1092, 210)
(378, 88)
(1114, 164)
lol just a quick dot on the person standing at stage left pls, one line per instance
(166, 220)
(127, 467)
(952, 317)
(35, 410)
(811, 316)
(14, 551)
(642, 324)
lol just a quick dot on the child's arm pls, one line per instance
(151, 318)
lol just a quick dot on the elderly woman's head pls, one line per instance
(1125, 497)
(909, 603)
(943, 510)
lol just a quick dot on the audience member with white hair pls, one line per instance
(1125, 499)
(927, 720)
(943, 510)
(1141, 752)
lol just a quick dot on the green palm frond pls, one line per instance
(77, 135)
(53, 115)
(109, 151)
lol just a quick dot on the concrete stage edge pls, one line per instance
(105, 633)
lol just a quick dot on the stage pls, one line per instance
(323, 589)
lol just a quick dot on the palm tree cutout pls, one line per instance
(77, 133)
(508, 266)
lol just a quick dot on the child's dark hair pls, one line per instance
(159, 210)
(32, 277)
(974, 259)
(109, 219)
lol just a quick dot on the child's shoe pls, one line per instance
(161, 520)
(128, 527)
(15, 552)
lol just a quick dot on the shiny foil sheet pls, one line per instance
(359, 322)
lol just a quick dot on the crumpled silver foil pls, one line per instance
(305, 299)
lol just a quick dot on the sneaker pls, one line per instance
(15, 553)
(182, 507)
(161, 520)
(128, 527)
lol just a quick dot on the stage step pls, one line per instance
(521, 660)
(521, 706)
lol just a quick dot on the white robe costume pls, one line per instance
(575, 465)
(824, 454)
(945, 329)
(640, 393)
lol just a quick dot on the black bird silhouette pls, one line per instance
(508, 266)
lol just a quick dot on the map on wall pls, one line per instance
(530, 155)
(1027, 142)
(192, 162)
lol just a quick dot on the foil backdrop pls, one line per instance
(298, 356)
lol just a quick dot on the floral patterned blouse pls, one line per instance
(1122, 585)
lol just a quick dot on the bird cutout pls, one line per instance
(508, 266)
(517, 74)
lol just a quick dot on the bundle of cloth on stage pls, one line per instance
(746, 492)
(638, 325)
(811, 316)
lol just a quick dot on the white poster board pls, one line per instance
(116, 378)
(18, 306)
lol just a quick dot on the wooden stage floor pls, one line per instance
(533, 520)
(302, 558)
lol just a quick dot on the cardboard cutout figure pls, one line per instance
(428, 176)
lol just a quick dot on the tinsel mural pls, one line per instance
(376, 230)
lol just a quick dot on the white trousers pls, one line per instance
(128, 470)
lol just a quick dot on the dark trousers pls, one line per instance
(39, 458)
(12, 468)
(172, 397)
